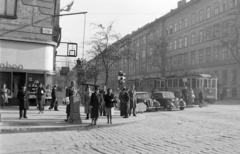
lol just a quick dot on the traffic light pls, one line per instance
(121, 78)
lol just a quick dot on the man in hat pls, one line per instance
(54, 102)
(126, 103)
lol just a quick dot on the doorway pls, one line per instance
(19, 79)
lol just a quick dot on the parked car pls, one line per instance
(144, 97)
(168, 101)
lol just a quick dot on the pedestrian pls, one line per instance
(191, 96)
(23, 101)
(185, 94)
(110, 100)
(70, 93)
(200, 96)
(64, 96)
(4, 95)
(126, 103)
(54, 103)
(133, 101)
(102, 108)
(121, 108)
(177, 93)
(40, 97)
(87, 98)
(95, 104)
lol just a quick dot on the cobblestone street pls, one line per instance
(209, 130)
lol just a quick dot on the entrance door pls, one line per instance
(19, 79)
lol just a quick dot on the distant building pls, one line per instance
(191, 30)
(29, 35)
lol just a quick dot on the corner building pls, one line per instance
(191, 29)
(29, 35)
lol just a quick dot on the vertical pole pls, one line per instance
(84, 35)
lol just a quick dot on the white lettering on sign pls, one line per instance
(47, 31)
(13, 66)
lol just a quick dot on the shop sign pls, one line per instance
(47, 31)
(8, 66)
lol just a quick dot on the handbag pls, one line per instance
(67, 100)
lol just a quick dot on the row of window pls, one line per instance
(183, 23)
(8, 8)
(204, 35)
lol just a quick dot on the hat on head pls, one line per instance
(124, 88)
(96, 88)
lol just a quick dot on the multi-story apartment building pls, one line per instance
(193, 29)
(29, 34)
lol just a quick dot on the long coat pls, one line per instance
(23, 99)
(133, 100)
(126, 103)
(70, 91)
(87, 98)
(95, 102)
(191, 96)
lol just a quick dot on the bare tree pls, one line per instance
(230, 35)
(109, 48)
(158, 56)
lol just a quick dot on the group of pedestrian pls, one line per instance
(128, 101)
(4, 92)
(99, 103)
(187, 94)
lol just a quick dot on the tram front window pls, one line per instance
(205, 83)
(214, 83)
(194, 83)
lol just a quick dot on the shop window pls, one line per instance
(5, 78)
(162, 84)
(8, 8)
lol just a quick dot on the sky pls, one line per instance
(127, 15)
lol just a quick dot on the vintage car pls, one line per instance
(144, 97)
(168, 101)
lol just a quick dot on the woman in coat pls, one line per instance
(23, 102)
(133, 101)
(95, 104)
(40, 97)
(191, 96)
(109, 105)
(4, 92)
(87, 98)
(200, 96)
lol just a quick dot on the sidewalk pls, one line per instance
(54, 120)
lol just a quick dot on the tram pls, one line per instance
(206, 82)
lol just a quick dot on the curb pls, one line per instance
(66, 128)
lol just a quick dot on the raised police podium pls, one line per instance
(75, 116)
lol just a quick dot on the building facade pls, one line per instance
(29, 35)
(193, 31)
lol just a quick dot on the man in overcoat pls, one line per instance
(23, 102)
(133, 101)
(126, 103)
(95, 104)
(102, 108)
(54, 103)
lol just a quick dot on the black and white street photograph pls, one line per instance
(119, 76)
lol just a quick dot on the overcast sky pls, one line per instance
(128, 16)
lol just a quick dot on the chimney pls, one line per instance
(184, 2)
(179, 4)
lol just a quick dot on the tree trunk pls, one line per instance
(106, 79)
